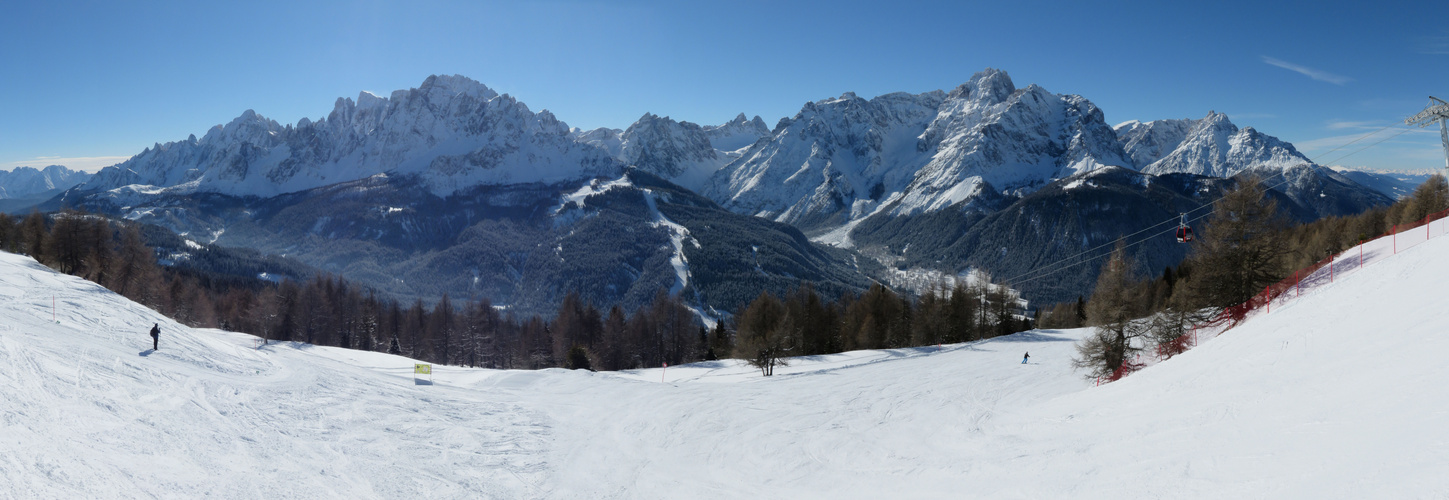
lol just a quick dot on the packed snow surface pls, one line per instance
(1338, 394)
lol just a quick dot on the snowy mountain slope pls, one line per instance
(830, 163)
(1211, 146)
(608, 139)
(1330, 395)
(682, 152)
(678, 151)
(1148, 142)
(454, 132)
(841, 159)
(1016, 140)
(24, 182)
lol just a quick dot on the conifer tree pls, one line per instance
(1242, 249)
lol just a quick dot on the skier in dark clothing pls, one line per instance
(1026, 357)
(156, 336)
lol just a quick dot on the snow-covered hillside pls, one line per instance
(1338, 394)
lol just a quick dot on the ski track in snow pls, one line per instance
(677, 234)
(1338, 394)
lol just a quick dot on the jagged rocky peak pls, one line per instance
(1211, 146)
(609, 139)
(989, 86)
(741, 122)
(450, 86)
(737, 133)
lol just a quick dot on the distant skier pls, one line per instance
(1026, 357)
(156, 336)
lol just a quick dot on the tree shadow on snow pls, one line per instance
(1032, 336)
(707, 364)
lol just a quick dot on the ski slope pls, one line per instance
(1338, 394)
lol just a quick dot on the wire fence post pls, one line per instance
(1395, 230)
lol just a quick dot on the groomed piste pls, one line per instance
(1342, 393)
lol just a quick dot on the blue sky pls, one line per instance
(90, 84)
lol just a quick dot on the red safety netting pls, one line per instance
(1325, 271)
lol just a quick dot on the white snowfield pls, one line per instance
(1343, 393)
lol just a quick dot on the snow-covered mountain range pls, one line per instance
(840, 160)
(895, 172)
(453, 131)
(27, 181)
(836, 161)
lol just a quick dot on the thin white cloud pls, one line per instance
(1343, 124)
(1415, 136)
(86, 163)
(1320, 75)
(1435, 45)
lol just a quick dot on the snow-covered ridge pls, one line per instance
(836, 161)
(736, 134)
